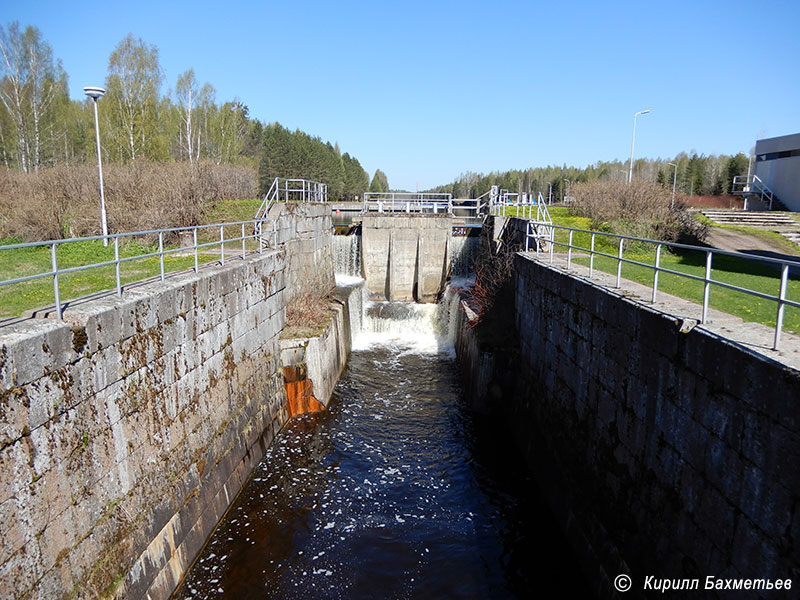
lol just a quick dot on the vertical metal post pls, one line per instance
(591, 257)
(116, 265)
(706, 286)
(196, 262)
(161, 252)
(569, 250)
(655, 272)
(244, 250)
(619, 262)
(56, 293)
(781, 306)
(222, 244)
(552, 237)
(103, 217)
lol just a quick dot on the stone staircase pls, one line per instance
(779, 222)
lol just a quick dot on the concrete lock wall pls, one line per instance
(305, 231)
(126, 431)
(667, 450)
(406, 257)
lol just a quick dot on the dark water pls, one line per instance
(395, 492)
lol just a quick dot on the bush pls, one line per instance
(640, 209)
(65, 201)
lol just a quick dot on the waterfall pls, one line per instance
(415, 328)
(464, 251)
(347, 255)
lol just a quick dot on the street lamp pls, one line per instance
(674, 181)
(563, 197)
(633, 141)
(96, 93)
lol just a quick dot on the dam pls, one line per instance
(171, 440)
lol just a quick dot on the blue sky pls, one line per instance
(427, 90)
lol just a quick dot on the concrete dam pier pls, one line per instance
(406, 257)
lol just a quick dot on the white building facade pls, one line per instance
(778, 166)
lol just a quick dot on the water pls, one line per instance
(463, 254)
(347, 255)
(394, 492)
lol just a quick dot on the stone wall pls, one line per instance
(665, 449)
(406, 257)
(322, 359)
(127, 430)
(305, 231)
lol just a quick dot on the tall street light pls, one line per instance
(674, 181)
(95, 93)
(633, 141)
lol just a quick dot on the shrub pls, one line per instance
(640, 209)
(65, 201)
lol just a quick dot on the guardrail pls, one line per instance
(292, 190)
(55, 272)
(707, 280)
(408, 202)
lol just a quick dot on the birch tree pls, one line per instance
(193, 103)
(133, 83)
(30, 84)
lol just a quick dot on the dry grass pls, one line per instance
(64, 201)
(307, 315)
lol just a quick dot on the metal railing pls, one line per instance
(292, 190)
(56, 271)
(499, 199)
(746, 185)
(408, 202)
(707, 280)
(469, 207)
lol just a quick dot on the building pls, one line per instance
(778, 166)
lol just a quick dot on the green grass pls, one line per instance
(15, 299)
(747, 274)
(750, 274)
(233, 210)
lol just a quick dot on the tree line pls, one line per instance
(698, 175)
(41, 127)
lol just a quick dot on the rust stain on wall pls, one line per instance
(300, 391)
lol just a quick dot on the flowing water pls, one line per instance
(396, 491)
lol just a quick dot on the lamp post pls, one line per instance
(95, 93)
(563, 196)
(633, 141)
(674, 181)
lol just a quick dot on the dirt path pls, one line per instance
(726, 239)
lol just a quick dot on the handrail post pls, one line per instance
(619, 262)
(655, 272)
(591, 257)
(244, 251)
(527, 237)
(56, 293)
(222, 245)
(196, 262)
(116, 264)
(569, 250)
(552, 245)
(706, 286)
(161, 252)
(781, 306)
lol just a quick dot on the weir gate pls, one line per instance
(131, 426)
